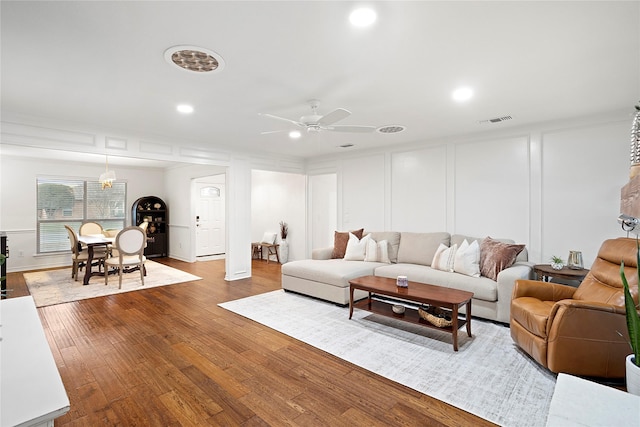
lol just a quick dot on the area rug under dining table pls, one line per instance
(50, 287)
(489, 376)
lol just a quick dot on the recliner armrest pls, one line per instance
(322, 253)
(544, 291)
(587, 337)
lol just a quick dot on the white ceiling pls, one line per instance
(102, 63)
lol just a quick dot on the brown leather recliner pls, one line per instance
(580, 331)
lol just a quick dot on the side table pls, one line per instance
(545, 272)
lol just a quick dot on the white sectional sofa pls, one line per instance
(411, 255)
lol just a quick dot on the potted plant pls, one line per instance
(284, 245)
(633, 327)
(556, 262)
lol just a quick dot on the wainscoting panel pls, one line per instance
(419, 190)
(492, 188)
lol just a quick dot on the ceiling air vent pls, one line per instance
(390, 129)
(345, 145)
(496, 119)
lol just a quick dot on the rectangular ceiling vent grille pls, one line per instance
(497, 119)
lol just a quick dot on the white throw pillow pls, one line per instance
(269, 238)
(377, 251)
(467, 259)
(371, 252)
(356, 248)
(444, 258)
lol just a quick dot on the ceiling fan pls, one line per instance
(315, 122)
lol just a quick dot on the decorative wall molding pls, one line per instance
(115, 143)
(199, 153)
(155, 148)
(43, 136)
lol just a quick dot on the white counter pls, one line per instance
(31, 390)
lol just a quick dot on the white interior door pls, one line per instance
(210, 219)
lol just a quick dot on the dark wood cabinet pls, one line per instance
(3, 269)
(154, 211)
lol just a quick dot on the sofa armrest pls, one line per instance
(322, 253)
(506, 281)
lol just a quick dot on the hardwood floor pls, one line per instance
(169, 356)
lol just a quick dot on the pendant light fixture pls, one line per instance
(107, 177)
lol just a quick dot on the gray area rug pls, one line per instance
(52, 287)
(489, 376)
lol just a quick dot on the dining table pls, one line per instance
(92, 241)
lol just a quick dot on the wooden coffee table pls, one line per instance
(421, 293)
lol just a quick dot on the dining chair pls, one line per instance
(129, 244)
(79, 257)
(90, 228)
(144, 225)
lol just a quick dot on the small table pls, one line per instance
(258, 248)
(416, 292)
(91, 242)
(545, 272)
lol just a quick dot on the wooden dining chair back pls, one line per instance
(90, 228)
(80, 257)
(144, 225)
(129, 245)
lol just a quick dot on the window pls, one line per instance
(70, 202)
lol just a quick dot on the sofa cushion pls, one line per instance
(393, 239)
(482, 287)
(444, 258)
(377, 251)
(356, 248)
(420, 248)
(495, 256)
(459, 238)
(340, 240)
(467, 259)
(334, 272)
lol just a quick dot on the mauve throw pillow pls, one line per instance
(496, 256)
(340, 240)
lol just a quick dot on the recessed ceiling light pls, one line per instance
(362, 17)
(194, 58)
(295, 134)
(185, 109)
(462, 94)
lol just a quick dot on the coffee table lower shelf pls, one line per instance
(410, 315)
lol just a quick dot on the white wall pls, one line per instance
(555, 187)
(323, 209)
(18, 201)
(583, 171)
(275, 197)
(177, 181)
(419, 189)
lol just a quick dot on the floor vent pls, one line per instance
(496, 119)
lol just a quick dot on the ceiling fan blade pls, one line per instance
(282, 118)
(360, 129)
(274, 131)
(334, 116)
